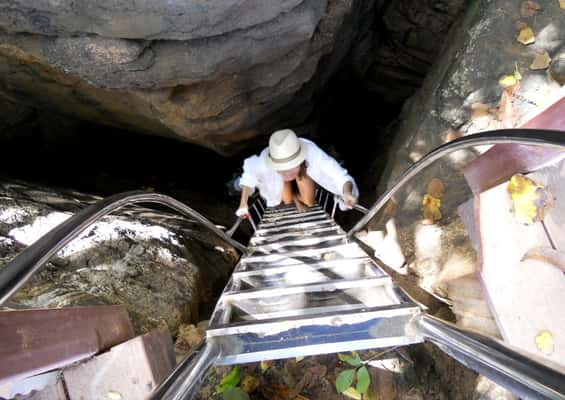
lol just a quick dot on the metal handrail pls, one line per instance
(525, 377)
(509, 368)
(536, 137)
(21, 269)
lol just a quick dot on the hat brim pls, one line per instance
(295, 162)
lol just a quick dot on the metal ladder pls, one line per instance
(304, 288)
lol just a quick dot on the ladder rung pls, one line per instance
(292, 245)
(321, 232)
(294, 228)
(282, 324)
(269, 270)
(328, 286)
(327, 253)
(269, 219)
(287, 210)
(292, 221)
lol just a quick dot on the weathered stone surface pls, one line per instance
(480, 50)
(394, 56)
(161, 267)
(139, 19)
(231, 72)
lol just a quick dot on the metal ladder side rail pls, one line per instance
(520, 374)
(531, 137)
(17, 272)
(524, 376)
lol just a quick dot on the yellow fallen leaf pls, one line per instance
(431, 209)
(508, 81)
(250, 383)
(113, 395)
(530, 201)
(352, 393)
(526, 36)
(562, 4)
(299, 358)
(544, 342)
(265, 365)
(541, 61)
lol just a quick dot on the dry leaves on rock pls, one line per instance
(250, 383)
(541, 61)
(530, 8)
(562, 4)
(280, 392)
(544, 342)
(431, 203)
(530, 201)
(526, 36)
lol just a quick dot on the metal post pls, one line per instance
(234, 227)
(334, 206)
(526, 378)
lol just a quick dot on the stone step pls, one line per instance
(131, 370)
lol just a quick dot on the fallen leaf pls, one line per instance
(526, 36)
(298, 359)
(250, 383)
(113, 395)
(265, 364)
(431, 209)
(530, 201)
(544, 342)
(562, 4)
(508, 81)
(541, 61)
(547, 255)
(352, 393)
(530, 8)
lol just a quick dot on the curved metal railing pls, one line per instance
(21, 269)
(491, 358)
(537, 137)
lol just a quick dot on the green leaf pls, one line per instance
(363, 380)
(352, 359)
(230, 380)
(234, 393)
(344, 380)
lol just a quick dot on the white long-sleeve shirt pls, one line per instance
(321, 167)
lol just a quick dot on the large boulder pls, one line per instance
(166, 270)
(214, 74)
(461, 95)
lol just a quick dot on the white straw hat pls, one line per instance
(285, 151)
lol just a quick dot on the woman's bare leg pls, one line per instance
(306, 190)
(288, 193)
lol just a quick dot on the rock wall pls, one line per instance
(214, 74)
(461, 95)
(164, 269)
